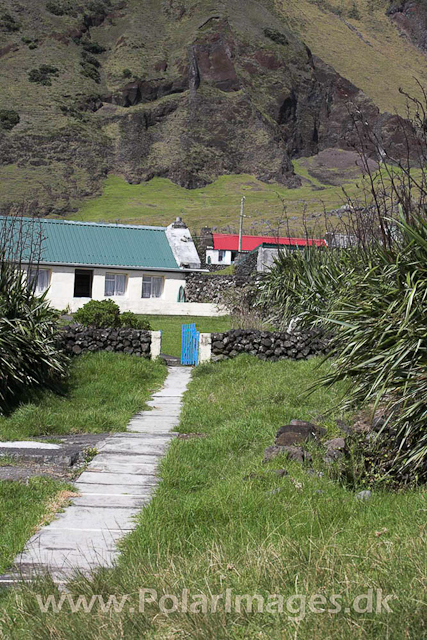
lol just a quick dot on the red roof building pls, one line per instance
(223, 248)
(230, 242)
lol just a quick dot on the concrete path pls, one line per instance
(117, 483)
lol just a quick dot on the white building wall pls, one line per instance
(213, 254)
(61, 293)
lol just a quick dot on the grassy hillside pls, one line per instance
(360, 41)
(159, 201)
(75, 130)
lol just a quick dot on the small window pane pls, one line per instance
(115, 284)
(109, 284)
(39, 279)
(120, 285)
(43, 280)
(146, 287)
(156, 287)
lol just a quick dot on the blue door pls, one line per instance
(189, 345)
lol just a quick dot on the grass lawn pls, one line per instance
(218, 204)
(221, 519)
(103, 392)
(171, 327)
(23, 506)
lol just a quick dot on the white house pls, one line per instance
(143, 269)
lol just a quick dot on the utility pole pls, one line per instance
(242, 215)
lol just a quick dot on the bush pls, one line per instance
(29, 353)
(105, 314)
(130, 320)
(93, 47)
(43, 74)
(60, 8)
(8, 23)
(99, 313)
(8, 119)
(354, 12)
(127, 73)
(87, 57)
(373, 301)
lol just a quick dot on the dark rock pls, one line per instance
(297, 433)
(336, 444)
(298, 454)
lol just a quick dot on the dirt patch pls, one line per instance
(336, 166)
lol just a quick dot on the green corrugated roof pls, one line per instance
(107, 245)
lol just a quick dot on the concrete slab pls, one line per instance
(123, 458)
(130, 448)
(116, 479)
(28, 444)
(78, 518)
(161, 436)
(117, 502)
(136, 491)
(135, 469)
(167, 402)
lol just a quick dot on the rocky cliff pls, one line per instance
(183, 89)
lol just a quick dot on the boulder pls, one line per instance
(291, 434)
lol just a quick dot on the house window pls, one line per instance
(152, 287)
(83, 283)
(115, 284)
(221, 255)
(39, 279)
(181, 294)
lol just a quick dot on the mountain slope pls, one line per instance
(185, 89)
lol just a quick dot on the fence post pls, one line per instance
(156, 344)
(205, 347)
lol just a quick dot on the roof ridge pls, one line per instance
(114, 225)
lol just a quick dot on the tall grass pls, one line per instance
(373, 300)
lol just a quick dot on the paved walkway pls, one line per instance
(118, 482)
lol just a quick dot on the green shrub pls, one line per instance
(93, 47)
(8, 119)
(127, 73)
(130, 320)
(29, 353)
(8, 23)
(354, 12)
(99, 313)
(59, 8)
(43, 74)
(90, 59)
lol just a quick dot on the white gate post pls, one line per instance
(156, 344)
(205, 347)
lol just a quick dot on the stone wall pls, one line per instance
(268, 346)
(77, 340)
(206, 288)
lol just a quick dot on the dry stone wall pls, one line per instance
(204, 288)
(77, 340)
(268, 346)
